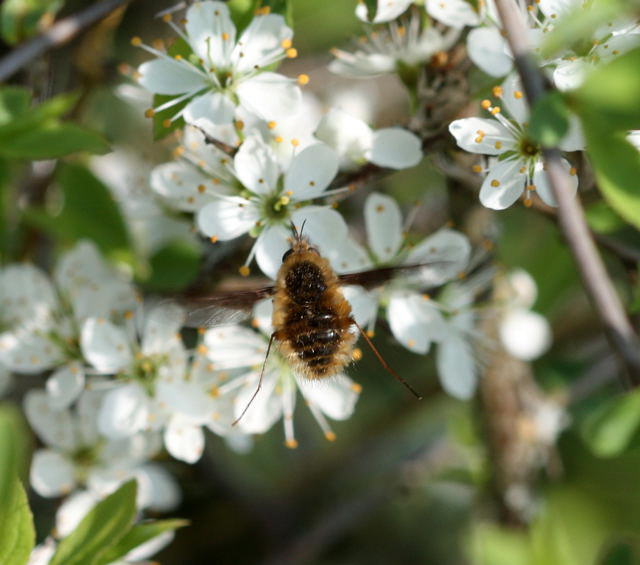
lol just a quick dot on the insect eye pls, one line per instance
(286, 254)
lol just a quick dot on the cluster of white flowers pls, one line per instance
(255, 156)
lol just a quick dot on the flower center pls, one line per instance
(145, 370)
(528, 148)
(276, 208)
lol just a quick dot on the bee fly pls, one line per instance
(312, 320)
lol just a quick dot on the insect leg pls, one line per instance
(273, 335)
(384, 363)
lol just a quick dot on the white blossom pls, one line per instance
(224, 77)
(255, 194)
(515, 167)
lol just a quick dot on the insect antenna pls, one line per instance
(253, 396)
(384, 363)
(298, 234)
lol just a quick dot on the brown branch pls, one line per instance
(58, 34)
(597, 283)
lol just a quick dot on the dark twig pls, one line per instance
(571, 217)
(58, 34)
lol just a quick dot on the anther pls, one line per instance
(497, 91)
(495, 110)
(166, 18)
(355, 387)
(149, 113)
(573, 171)
(476, 168)
(303, 79)
(166, 123)
(330, 436)
(517, 94)
(271, 124)
(244, 271)
(291, 443)
(286, 43)
(291, 53)
(486, 104)
(356, 355)
(136, 41)
(295, 142)
(495, 183)
(201, 188)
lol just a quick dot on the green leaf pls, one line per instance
(609, 428)
(88, 211)
(139, 534)
(14, 101)
(617, 166)
(13, 439)
(17, 534)
(372, 6)
(100, 530)
(174, 266)
(612, 93)
(492, 545)
(53, 140)
(20, 19)
(549, 119)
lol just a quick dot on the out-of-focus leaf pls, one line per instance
(492, 545)
(53, 140)
(14, 101)
(611, 93)
(621, 554)
(608, 429)
(20, 19)
(173, 267)
(100, 530)
(372, 6)
(570, 530)
(602, 218)
(9, 454)
(617, 166)
(139, 534)
(89, 211)
(549, 119)
(242, 12)
(17, 534)
(580, 24)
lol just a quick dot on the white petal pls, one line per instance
(489, 51)
(261, 43)
(272, 243)
(87, 409)
(479, 135)
(524, 288)
(178, 182)
(186, 397)
(386, 10)
(151, 547)
(26, 352)
(105, 345)
(447, 250)
(55, 428)
(454, 13)
(525, 334)
(27, 297)
(395, 148)
(352, 258)
(265, 409)
(161, 328)
(510, 185)
(207, 25)
(209, 112)
(543, 188)
(514, 99)
(311, 171)
(262, 315)
(43, 552)
(350, 137)
(364, 304)
(227, 219)
(570, 74)
(184, 439)
(383, 221)
(361, 64)
(556, 8)
(234, 346)
(456, 367)
(162, 76)
(52, 474)
(325, 228)
(73, 510)
(270, 96)
(124, 411)
(336, 397)
(573, 140)
(414, 322)
(65, 385)
(256, 166)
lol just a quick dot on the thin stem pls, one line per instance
(58, 34)
(618, 329)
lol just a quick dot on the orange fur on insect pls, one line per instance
(311, 317)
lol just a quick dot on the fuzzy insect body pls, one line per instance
(311, 318)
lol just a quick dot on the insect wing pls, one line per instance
(376, 277)
(224, 308)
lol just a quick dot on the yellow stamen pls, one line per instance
(303, 79)
(495, 183)
(330, 435)
(136, 41)
(244, 271)
(291, 53)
